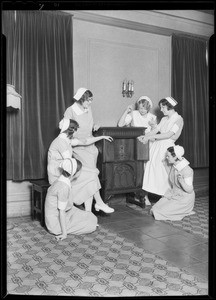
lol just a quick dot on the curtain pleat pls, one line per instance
(43, 75)
(190, 89)
(13, 119)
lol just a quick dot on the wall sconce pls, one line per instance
(128, 88)
(13, 98)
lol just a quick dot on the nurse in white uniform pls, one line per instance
(163, 136)
(141, 116)
(178, 201)
(60, 220)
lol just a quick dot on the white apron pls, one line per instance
(155, 176)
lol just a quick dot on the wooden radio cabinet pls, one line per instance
(121, 162)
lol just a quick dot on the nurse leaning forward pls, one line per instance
(61, 148)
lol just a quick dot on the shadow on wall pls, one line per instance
(158, 113)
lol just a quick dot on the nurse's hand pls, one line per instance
(180, 178)
(152, 140)
(129, 109)
(108, 138)
(152, 122)
(61, 237)
(96, 127)
(143, 139)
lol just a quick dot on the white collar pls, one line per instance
(182, 164)
(76, 108)
(65, 180)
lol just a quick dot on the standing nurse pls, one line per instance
(81, 112)
(163, 136)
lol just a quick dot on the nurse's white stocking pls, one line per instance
(88, 204)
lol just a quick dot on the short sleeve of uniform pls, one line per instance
(128, 119)
(63, 148)
(178, 124)
(62, 145)
(62, 198)
(69, 113)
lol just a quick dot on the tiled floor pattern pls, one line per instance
(130, 254)
(179, 247)
(197, 224)
(103, 263)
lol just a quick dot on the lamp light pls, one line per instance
(13, 98)
(127, 88)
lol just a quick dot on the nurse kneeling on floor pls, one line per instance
(60, 221)
(178, 202)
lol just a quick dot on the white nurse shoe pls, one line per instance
(104, 207)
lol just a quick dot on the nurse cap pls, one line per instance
(64, 124)
(179, 151)
(145, 98)
(172, 101)
(69, 165)
(79, 93)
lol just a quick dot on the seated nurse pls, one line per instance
(59, 220)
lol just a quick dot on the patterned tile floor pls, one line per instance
(130, 254)
(102, 264)
(184, 244)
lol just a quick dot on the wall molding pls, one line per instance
(17, 197)
(157, 22)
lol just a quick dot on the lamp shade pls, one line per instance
(13, 98)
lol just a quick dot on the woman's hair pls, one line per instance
(144, 103)
(65, 173)
(171, 150)
(72, 127)
(165, 102)
(79, 166)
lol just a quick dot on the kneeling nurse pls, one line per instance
(178, 201)
(59, 220)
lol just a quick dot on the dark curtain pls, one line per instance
(190, 89)
(42, 73)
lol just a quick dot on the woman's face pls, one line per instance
(142, 110)
(71, 131)
(164, 109)
(170, 158)
(87, 103)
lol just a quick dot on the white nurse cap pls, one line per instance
(79, 93)
(64, 124)
(69, 165)
(179, 151)
(145, 98)
(172, 101)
